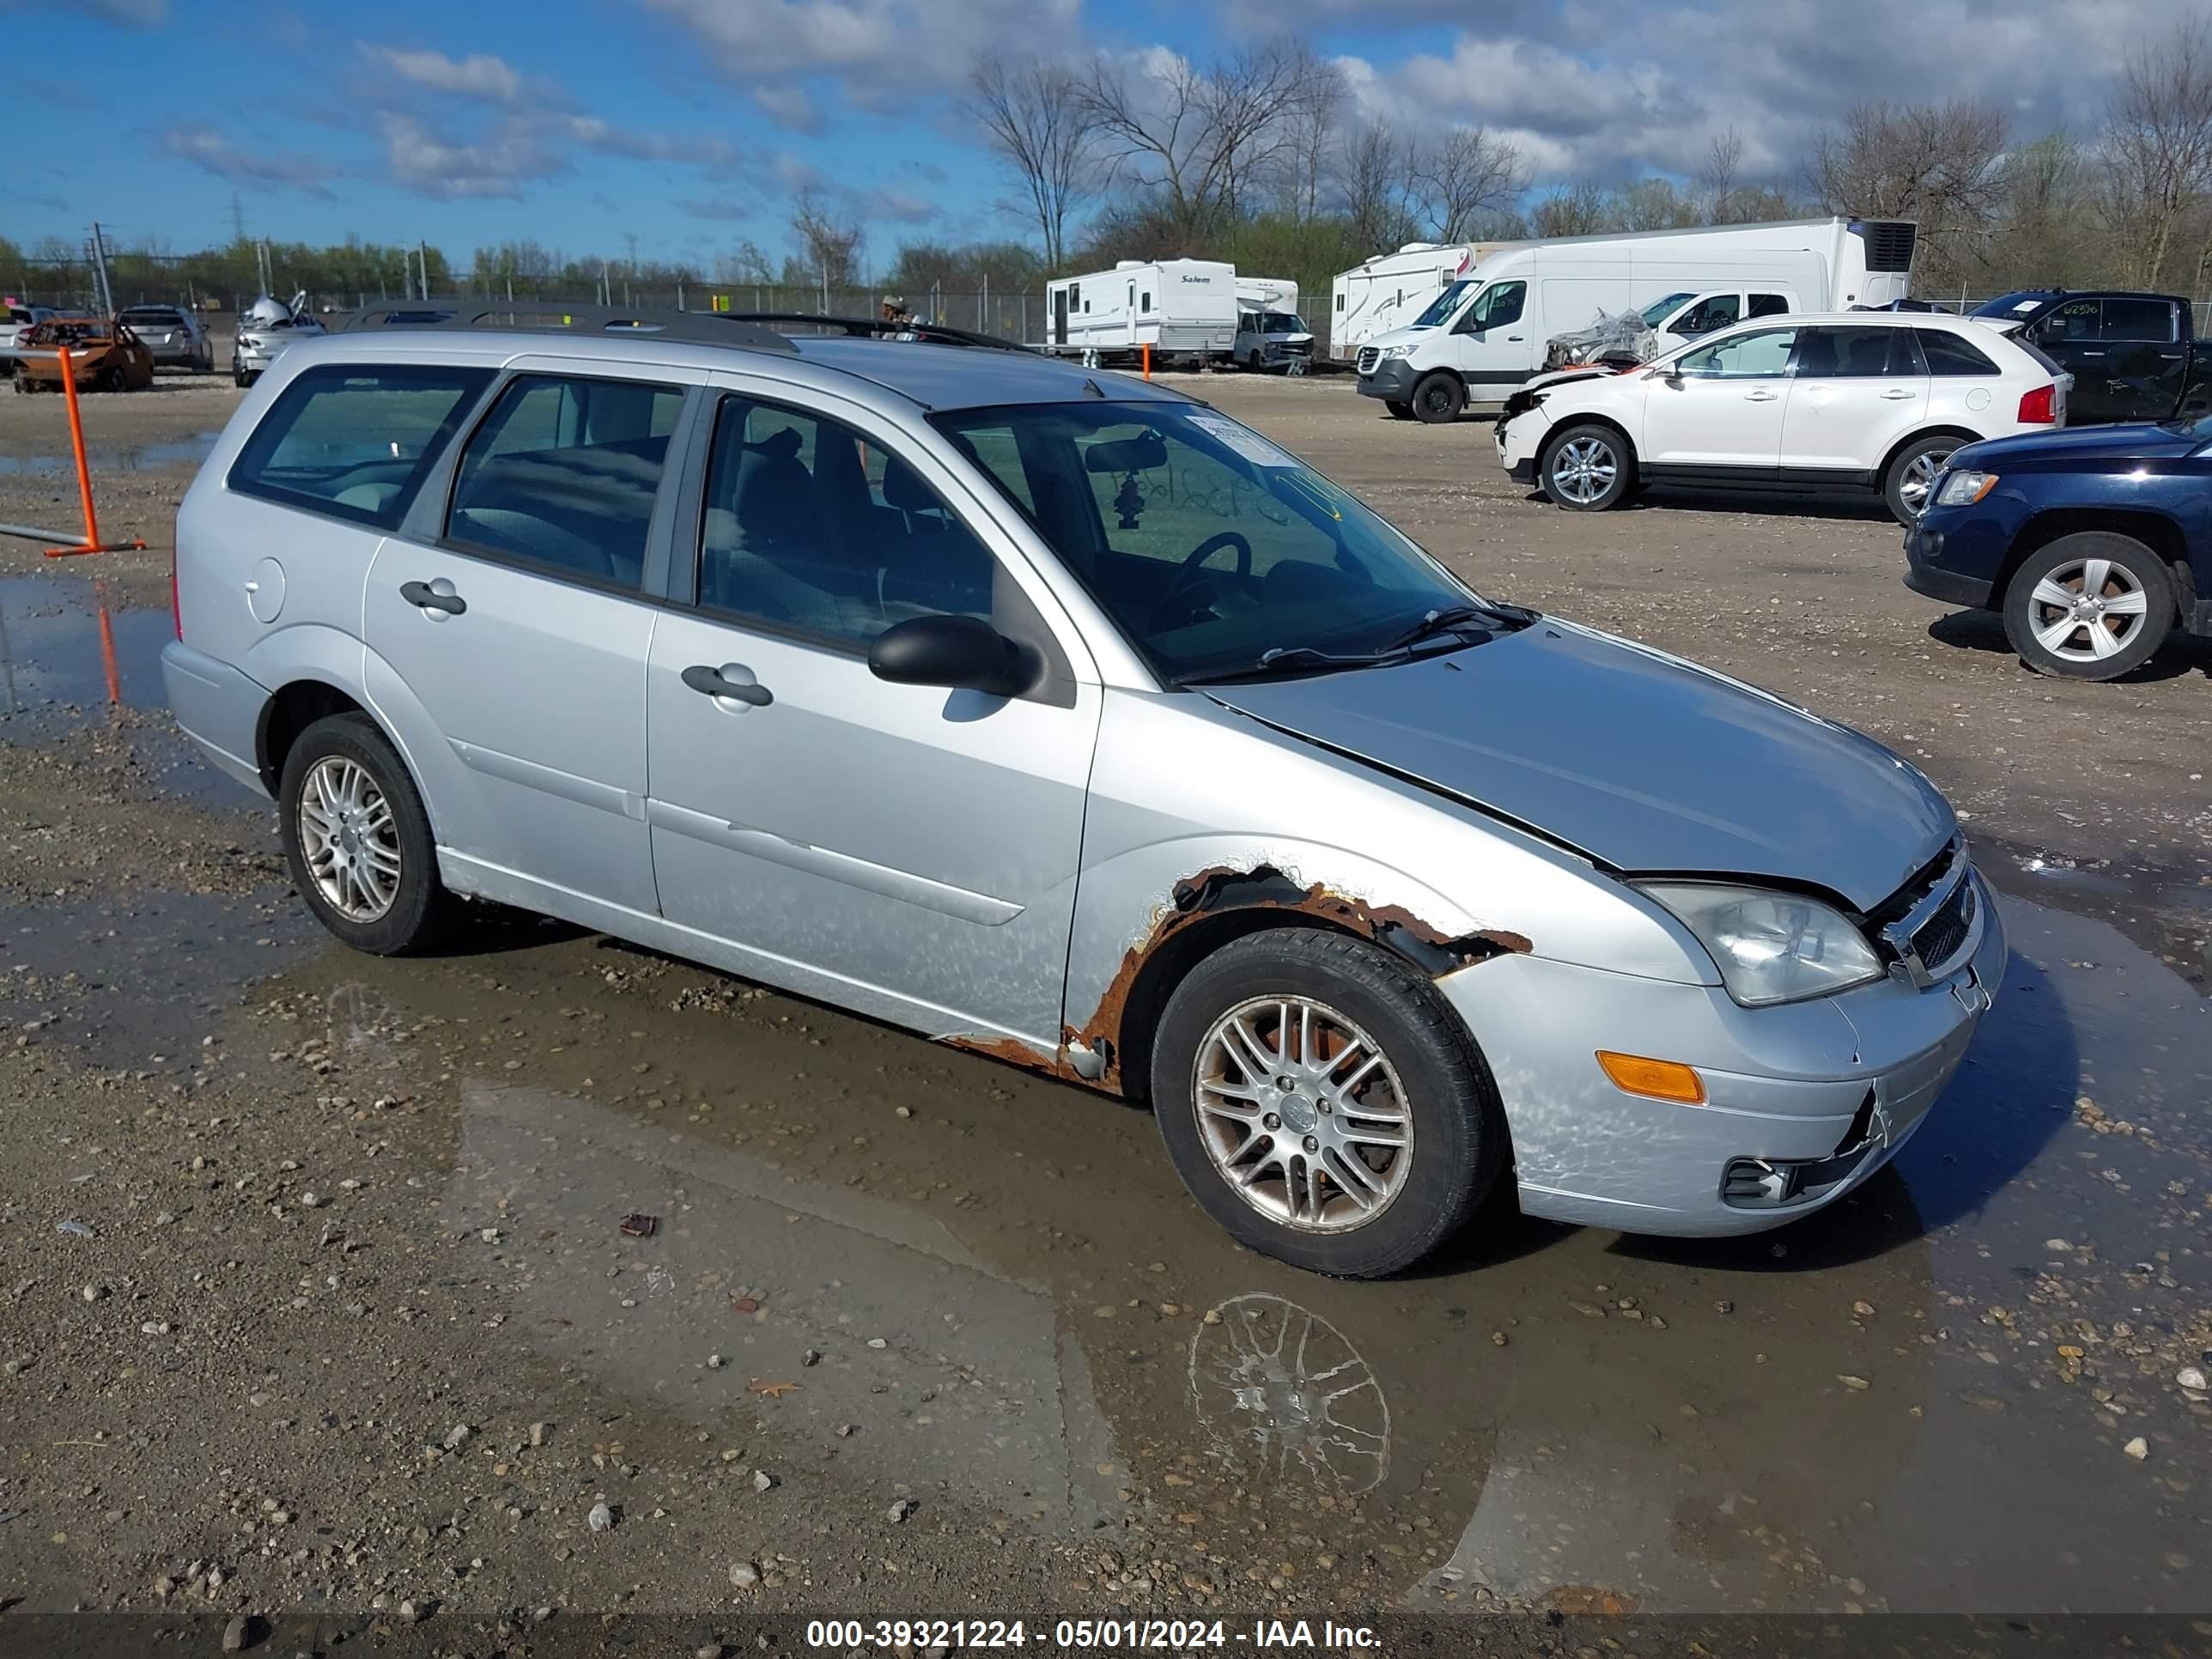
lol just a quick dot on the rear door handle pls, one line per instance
(714, 683)
(1759, 397)
(434, 596)
(1898, 397)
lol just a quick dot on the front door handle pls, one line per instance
(1897, 397)
(714, 683)
(1760, 397)
(428, 596)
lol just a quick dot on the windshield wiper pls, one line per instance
(1439, 622)
(1294, 659)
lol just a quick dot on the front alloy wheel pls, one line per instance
(1302, 1114)
(2093, 606)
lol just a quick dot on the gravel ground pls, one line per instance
(316, 1295)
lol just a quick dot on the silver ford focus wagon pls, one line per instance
(1057, 716)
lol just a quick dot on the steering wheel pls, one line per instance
(1187, 576)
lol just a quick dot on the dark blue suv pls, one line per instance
(2095, 543)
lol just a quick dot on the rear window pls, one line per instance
(1948, 354)
(159, 316)
(355, 443)
(563, 473)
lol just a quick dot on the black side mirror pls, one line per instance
(963, 653)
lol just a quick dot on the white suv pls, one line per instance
(1851, 401)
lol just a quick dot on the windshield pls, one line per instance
(1276, 322)
(2015, 305)
(1443, 305)
(1207, 545)
(1656, 311)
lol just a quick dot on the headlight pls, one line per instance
(1771, 947)
(1965, 488)
(1389, 352)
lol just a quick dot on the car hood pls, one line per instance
(1638, 759)
(2082, 444)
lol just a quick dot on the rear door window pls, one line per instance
(1857, 353)
(1948, 354)
(355, 443)
(2139, 321)
(563, 473)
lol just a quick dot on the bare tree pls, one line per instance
(1370, 185)
(1652, 205)
(1936, 163)
(829, 245)
(2158, 149)
(1035, 117)
(1199, 135)
(1719, 175)
(1315, 118)
(1468, 171)
(745, 263)
(1576, 210)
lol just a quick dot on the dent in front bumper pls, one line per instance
(1782, 1083)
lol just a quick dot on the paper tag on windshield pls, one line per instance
(1243, 439)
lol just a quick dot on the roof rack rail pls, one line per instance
(882, 328)
(562, 317)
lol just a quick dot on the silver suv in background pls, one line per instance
(900, 676)
(177, 338)
(14, 320)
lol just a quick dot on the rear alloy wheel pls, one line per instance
(2093, 605)
(1439, 399)
(1911, 481)
(1322, 1102)
(357, 840)
(1587, 469)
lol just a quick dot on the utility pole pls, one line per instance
(422, 258)
(99, 271)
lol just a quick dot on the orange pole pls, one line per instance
(1148, 370)
(76, 443)
(107, 643)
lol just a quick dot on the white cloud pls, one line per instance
(790, 106)
(480, 75)
(209, 150)
(499, 164)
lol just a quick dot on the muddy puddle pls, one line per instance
(70, 656)
(126, 458)
(953, 1277)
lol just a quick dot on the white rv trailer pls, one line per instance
(1391, 289)
(1485, 332)
(1184, 309)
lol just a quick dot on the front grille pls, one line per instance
(1944, 934)
(1369, 356)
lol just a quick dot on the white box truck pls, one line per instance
(1391, 289)
(1485, 332)
(1270, 333)
(1184, 309)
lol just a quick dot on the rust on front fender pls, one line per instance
(1097, 1041)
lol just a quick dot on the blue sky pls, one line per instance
(688, 124)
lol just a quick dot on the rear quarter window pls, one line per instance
(1948, 354)
(355, 443)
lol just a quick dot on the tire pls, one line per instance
(1439, 399)
(114, 378)
(240, 379)
(418, 912)
(1398, 411)
(1588, 468)
(2132, 574)
(1431, 1068)
(1913, 472)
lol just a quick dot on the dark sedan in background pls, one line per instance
(2095, 543)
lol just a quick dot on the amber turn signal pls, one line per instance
(1659, 1079)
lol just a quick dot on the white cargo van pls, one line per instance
(1391, 289)
(1184, 309)
(1270, 333)
(1485, 333)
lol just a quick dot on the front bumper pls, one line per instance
(1391, 380)
(1519, 441)
(1830, 1088)
(1955, 553)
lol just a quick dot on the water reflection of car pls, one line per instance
(1089, 730)
(267, 328)
(173, 335)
